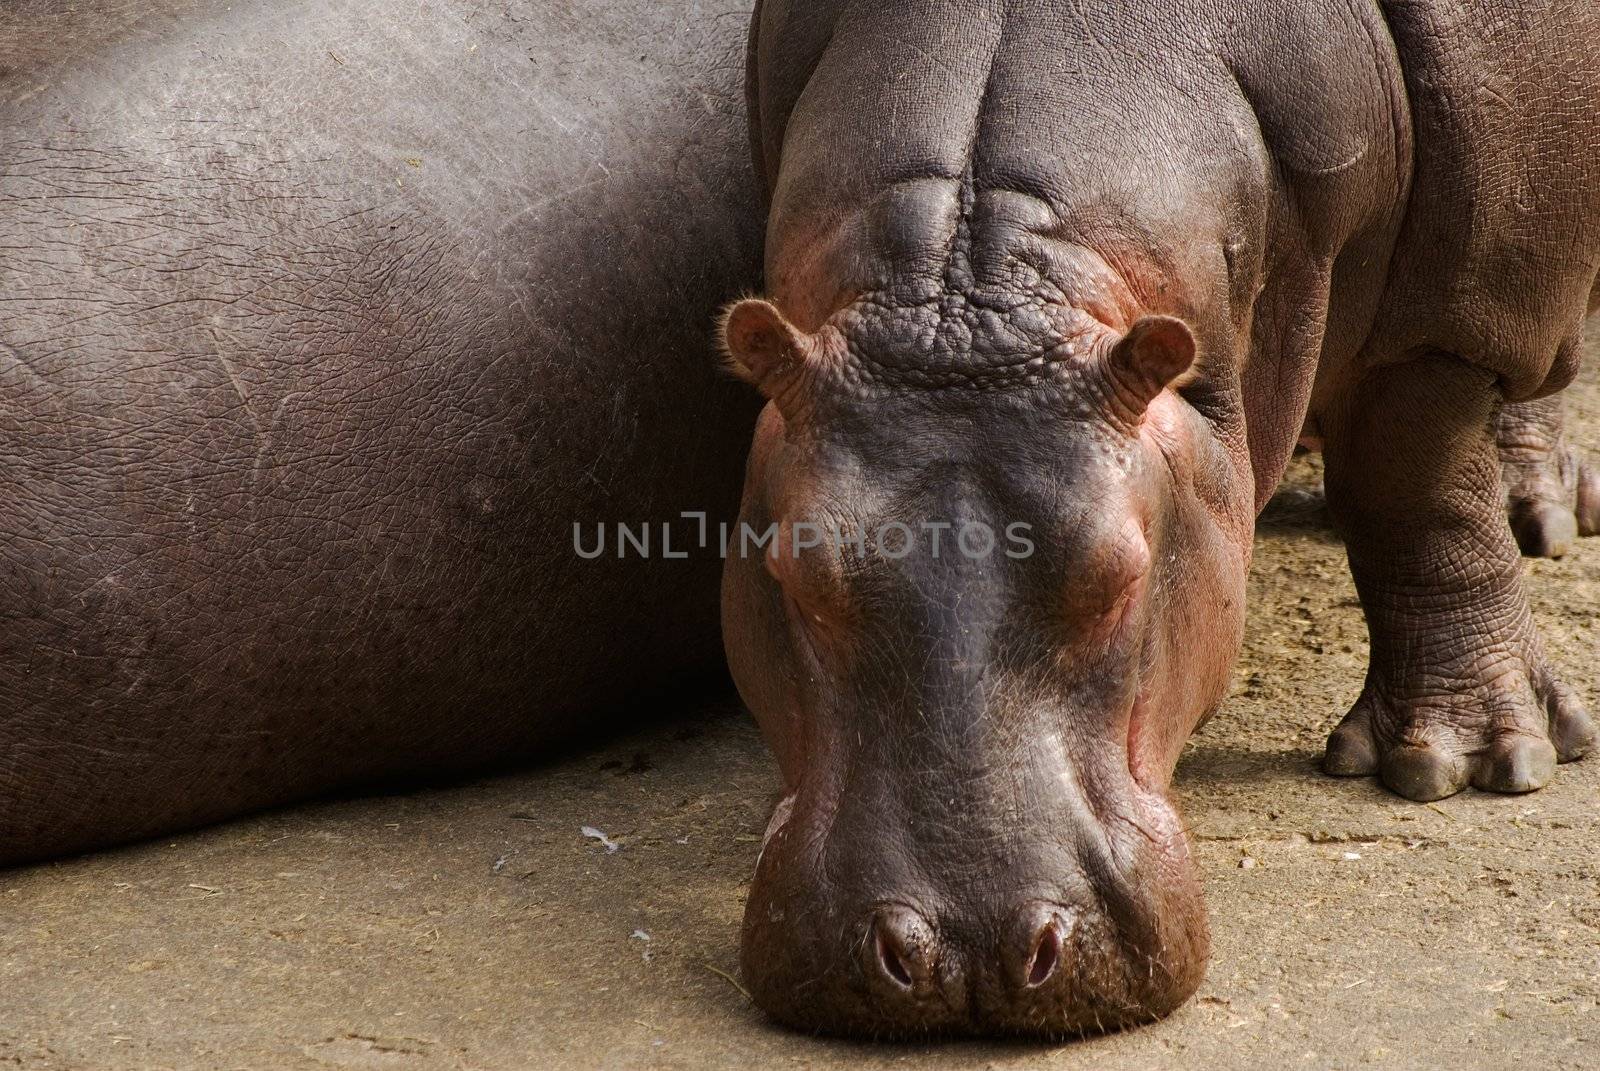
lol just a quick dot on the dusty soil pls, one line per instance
(478, 927)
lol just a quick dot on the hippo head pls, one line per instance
(990, 577)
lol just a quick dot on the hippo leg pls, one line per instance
(1552, 491)
(1458, 688)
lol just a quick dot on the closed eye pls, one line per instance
(1101, 601)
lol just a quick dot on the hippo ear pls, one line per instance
(760, 344)
(1148, 359)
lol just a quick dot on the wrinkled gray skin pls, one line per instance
(1098, 266)
(320, 323)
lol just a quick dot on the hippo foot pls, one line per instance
(1500, 735)
(1552, 491)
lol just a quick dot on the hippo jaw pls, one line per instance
(976, 836)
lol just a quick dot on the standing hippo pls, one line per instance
(320, 326)
(1094, 267)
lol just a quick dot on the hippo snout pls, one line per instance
(901, 948)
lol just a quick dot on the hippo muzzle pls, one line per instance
(878, 916)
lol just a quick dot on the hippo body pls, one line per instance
(320, 326)
(1098, 267)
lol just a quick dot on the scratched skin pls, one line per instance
(1099, 266)
(320, 323)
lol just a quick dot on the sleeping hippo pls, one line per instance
(1094, 268)
(320, 326)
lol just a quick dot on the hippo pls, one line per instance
(1097, 268)
(320, 327)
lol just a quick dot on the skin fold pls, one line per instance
(321, 323)
(1098, 267)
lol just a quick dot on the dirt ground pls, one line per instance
(478, 927)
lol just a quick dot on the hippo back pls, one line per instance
(1496, 261)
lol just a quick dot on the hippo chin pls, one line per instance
(1089, 274)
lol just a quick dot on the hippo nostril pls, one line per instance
(903, 942)
(893, 965)
(1039, 941)
(1046, 954)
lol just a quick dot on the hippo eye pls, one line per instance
(811, 576)
(815, 621)
(1094, 598)
(1107, 584)
(1096, 622)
